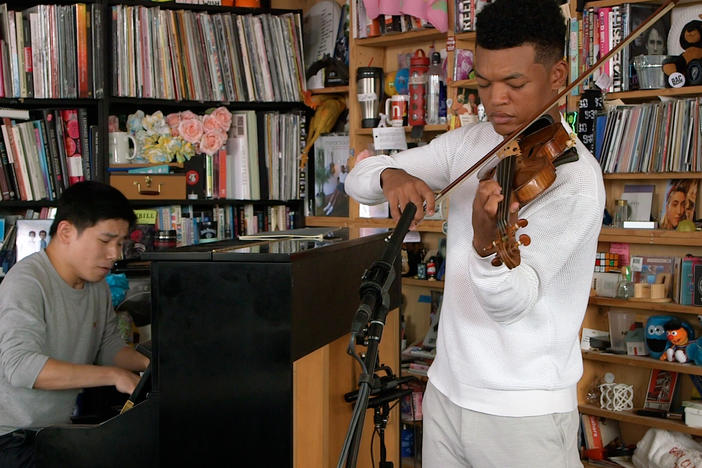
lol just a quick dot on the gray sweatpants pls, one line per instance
(454, 437)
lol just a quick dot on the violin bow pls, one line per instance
(650, 21)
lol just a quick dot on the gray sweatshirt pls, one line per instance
(41, 316)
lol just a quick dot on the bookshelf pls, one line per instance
(381, 51)
(635, 370)
(106, 97)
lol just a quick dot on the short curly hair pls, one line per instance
(503, 24)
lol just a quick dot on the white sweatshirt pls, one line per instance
(508, 339)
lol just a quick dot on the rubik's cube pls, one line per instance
(606, 261)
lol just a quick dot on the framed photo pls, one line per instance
(331, 153)
(32, 236)
(679, 203)
(661, 388)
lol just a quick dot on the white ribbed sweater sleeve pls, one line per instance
(561, 224)
(429, 163)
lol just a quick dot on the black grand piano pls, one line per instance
(228, 321)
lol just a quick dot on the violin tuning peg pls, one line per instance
(522, 223)
(496, 261)
(524, 240)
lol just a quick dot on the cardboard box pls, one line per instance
(605, 284)
(150, 186)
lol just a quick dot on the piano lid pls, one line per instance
(258, 250)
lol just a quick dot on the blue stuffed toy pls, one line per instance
(694, 351)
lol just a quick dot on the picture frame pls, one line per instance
(32, 236)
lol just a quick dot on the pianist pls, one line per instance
(58, 330)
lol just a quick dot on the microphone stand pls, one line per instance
(367, 328)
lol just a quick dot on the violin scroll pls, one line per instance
(507, 246)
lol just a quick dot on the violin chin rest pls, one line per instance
(569, 155)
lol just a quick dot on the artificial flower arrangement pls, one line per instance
(180, 135)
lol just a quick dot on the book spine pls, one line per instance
(14, 61)
(28, 171)
(223, 172)
(9, 172)
(58, 123)
(22, 180)
(89, 51)
(19, 24)
(49, 128)
(28, 58)
(209, 176)
(4, 184)
(616, 21)
(55, 82)
(97, 51)
(85, 142)
(42, 147)
(116, 54)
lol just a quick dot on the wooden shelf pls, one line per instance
(208, 202)
(327, 221)
(463, 84)
(651, 237)
(23, 204)
(331, 90)
(131, 102)
(128, 166)
(631, 417)
(643, 305)
(324, 221)
(49, 102)
(425, 226)
(402, 38)
(652, 175)
(649, 94)
(606, 3)
(188, 6)
(427, 128)
(431, 284)
(642, 361)
(466, 36)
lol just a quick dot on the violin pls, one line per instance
(527, 167)
(525, 161)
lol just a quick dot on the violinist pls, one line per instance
(502, 389)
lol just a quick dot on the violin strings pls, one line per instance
(505, 170)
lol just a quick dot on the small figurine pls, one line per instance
(678, 340)
(656, 334)
(686, 68)
(431, 269)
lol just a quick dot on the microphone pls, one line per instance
(376, 280)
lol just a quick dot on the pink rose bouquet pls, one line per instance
(180, 135)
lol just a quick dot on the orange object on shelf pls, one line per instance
(248, 3)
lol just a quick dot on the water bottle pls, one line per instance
(621, 213)
(417, 88)
(434, 89)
